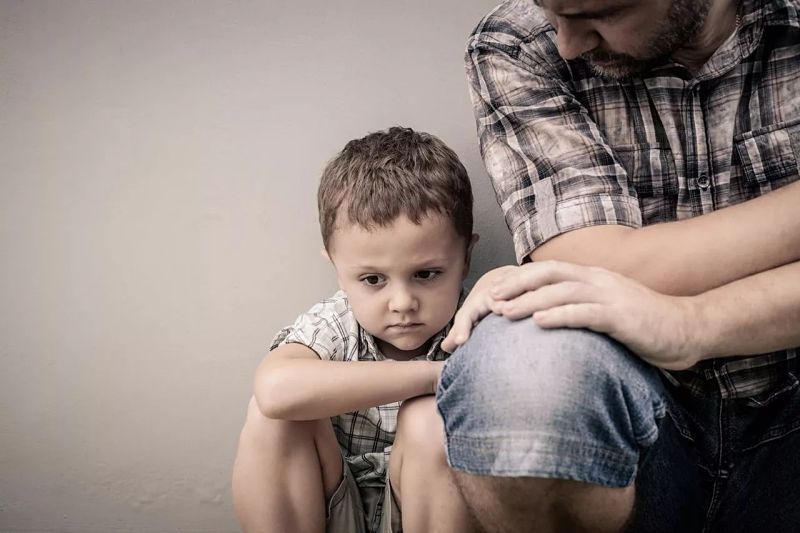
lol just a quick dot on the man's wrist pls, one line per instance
(699, 330)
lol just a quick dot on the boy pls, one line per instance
(395, 210)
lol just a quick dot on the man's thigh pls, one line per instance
(722, 466)
(518, 400)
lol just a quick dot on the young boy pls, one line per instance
(395, 210)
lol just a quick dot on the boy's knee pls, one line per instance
(420, 431)
(266, 430)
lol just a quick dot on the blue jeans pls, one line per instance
(572, 404)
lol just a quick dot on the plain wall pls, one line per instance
(158, 168)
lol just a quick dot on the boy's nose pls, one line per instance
(403, 301)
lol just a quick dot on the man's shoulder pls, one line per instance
(773, 12)
(513, 24)
(519, 30)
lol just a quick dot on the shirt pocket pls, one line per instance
(768, 155)
(652, 177)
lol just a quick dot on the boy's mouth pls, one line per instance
(405, 326)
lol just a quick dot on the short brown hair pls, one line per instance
(399, 171)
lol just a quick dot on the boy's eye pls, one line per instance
(372, 280)
(427, 275)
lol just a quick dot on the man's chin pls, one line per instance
(617, 70)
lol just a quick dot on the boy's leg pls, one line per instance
(420, 478)
(285, 473)
(546, 427)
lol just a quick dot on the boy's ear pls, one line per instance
(324, 253)
(470, 246)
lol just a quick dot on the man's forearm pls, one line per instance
(757, 314)
(307, 389)
(694, 255)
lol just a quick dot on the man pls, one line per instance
(644, 153)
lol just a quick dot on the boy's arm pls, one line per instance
(293, 383)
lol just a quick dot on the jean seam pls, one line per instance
(607, 467)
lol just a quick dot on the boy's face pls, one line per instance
(403, 280)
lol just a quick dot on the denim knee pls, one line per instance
(518, 400)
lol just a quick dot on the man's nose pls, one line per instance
(403, 300)
(574, 37)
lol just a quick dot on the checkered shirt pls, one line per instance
(366, 436)
(566, 149)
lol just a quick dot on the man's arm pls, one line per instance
(292, 383)
(566, 196)
(693, 255)
(757, 314)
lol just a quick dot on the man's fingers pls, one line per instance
(586, 315)
(533, 276)
(549, 296)
(466, 317)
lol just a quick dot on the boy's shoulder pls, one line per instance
(328, 327)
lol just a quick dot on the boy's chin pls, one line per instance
(404, 347)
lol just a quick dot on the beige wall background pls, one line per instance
(158, 168)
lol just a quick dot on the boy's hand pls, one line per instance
(477, 305)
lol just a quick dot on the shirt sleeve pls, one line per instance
(550, 167)
(326, 328)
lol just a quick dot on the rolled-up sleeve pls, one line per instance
(550, 167)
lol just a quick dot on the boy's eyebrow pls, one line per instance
(435, 262)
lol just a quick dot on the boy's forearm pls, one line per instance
(307, 389)
(690, 256)
(758, 314)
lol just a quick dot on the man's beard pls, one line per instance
(684, 20)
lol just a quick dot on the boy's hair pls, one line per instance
(377, 178)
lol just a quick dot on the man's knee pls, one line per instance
(516, 363)
(521, 400)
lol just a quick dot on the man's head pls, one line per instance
(619, 38)
(395, 210)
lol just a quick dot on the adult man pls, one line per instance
(656, 139)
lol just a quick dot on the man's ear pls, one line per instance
(325, 255)
(472, 242)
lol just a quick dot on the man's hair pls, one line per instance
(377, 178)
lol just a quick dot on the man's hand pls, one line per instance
(476, 306)
(660, 329)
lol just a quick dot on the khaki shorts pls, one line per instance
(354, 510)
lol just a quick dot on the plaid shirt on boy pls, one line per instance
(566, 149)
(330, 329)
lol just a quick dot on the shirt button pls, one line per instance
(703, 182)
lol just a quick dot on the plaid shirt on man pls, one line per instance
(365, 437)
(567, 149)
